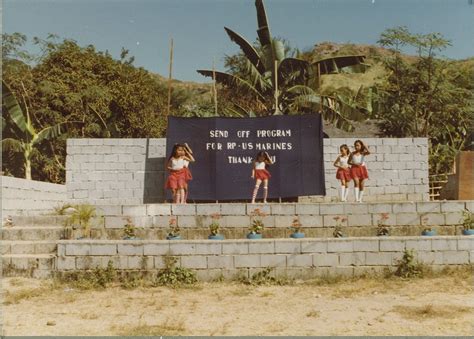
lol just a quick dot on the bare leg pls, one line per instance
(176, 196)
(265, 190)
(182, 195)
(255, 190)
(356, 189)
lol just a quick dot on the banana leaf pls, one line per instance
(336, 64)
(249, 51)
(263, 30)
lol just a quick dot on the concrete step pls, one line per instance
(40, 220)
(30, 265)
(28, 247)
(32, 233)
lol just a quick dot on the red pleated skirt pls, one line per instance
(359, 172)
(343, 174)
(262, 174)
(176, 179)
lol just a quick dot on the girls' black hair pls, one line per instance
(175, 148)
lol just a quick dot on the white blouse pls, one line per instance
(177, 164)
(260, 165)
(358, 159)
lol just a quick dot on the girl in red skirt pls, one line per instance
(260, 173)
(188, 175)
(179, 174)
(358, 170)
(343, 172)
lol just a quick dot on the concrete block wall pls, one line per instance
(291, 257)
(131, 171)
(30, 197)
(317, 219)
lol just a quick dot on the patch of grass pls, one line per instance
(168, 327)
(313, 314)
(267, 294)
(174, 276)
(11, 298)
(264, 277)
(99, 278)
(430, 311)
(408, 267)
(89, 316)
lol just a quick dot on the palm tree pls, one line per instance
(281, 84)
(24, 137)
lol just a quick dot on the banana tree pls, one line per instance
(281, 84)
(23, 137)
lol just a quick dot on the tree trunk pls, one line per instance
(27, 165)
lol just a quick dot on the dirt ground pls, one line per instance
(442, 305)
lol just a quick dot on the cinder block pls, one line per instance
(283, 209)
(103, 249)
(466, 244)
(325, 259)
(311, 221)
(237, 247)
(114, 222)
(355, 259)
(380, 208)
(378, 219)
(360, 220)
(409, 207)
(408, 219)
(161, 248)
(307, 209)
(78, 249)
(444, 244)
(325, 209)
(419, 245)
(356, 208)
(236, 220)
(250, 260)
(334, 220)
(432, 219)
(448, 206)
(378, 258)
(158, 209)
(287, 246)
(284, 221)
(162, 220)
(340, 245)
(428, 207)
(299, 260)
(208, 248)
(188, 209)
(188, 221)
(455, 257)
(263, 208)
(262, 246)
(66, 263)
(388, 245)
(233, 209)
(194, 261)
(208, 209)
(178, 247)
(453, 218)
(366, 245)
(273, 260)
(314, 246)
(220, 261)
(130, 249)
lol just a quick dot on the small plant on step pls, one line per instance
(467, 220)
(338, 229)
(82, 216)
(424, 222)
(8, 221)
(296, 226)
(63, 209)
(257, 225)
(129, 229)
(174, 230)
(382, 229)
(214, 227)
(408, 267)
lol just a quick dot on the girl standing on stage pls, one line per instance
(358, 170)
(188, 175)
(343, 172)
(260, 173)
(178, 177)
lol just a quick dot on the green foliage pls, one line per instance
(61, 209)
(173, 276)
(98, 278)
(426, 96)
(129, 230)
(257, 225)
(467, 220)
(214, 226)
(82, 216)
(264, 277)
(407, 267)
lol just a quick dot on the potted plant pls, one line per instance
(427, 231)
(382, 229)
(296, 228)
(338, 229)
(81, 216)
(467, 222)
(129, 230)
(174, 231)
(214, 227)
(257, 226)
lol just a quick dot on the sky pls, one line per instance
(197, 26)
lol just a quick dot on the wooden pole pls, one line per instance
(170, 77)
(214, 86)
(277, 111)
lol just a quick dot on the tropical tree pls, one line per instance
(24, 137)
(277, 82)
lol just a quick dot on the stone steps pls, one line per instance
(31, 265)
(40, 220)
(32, 233)
(28, 247)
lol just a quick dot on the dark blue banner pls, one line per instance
(225, 148)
